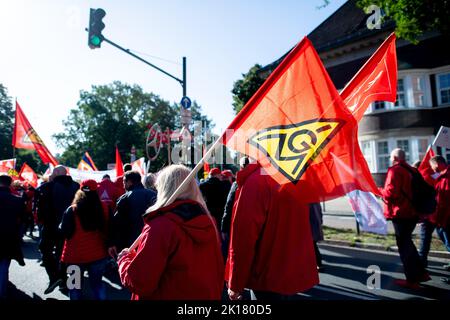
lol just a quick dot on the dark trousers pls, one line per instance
(412, 264)
(444, 235)
(51, 246)
(426, 233)
(318, 255)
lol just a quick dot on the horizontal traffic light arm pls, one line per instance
(145, 61)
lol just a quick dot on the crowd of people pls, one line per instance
(216, 238)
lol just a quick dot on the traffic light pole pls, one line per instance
(182, 82)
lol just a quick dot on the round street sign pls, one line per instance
(185, 102)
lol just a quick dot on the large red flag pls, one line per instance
(119, 164)
(375, 81)
(296, 125)
(425, 168)
(28, 174)
(24, 137)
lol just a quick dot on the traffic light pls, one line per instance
(96, 26)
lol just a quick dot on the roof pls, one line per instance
(345, 25)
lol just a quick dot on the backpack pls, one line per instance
(423, 195)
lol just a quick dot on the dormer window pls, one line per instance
(443, 83)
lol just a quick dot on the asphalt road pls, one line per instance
(344, 278)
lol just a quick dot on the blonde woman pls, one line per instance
(179, 255)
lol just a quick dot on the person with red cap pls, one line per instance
(84, 227)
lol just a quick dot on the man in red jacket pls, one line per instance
(442, 215)
(271, 249)
(397, 194)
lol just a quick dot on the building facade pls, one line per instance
(345, 43)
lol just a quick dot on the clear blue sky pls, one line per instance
(45, 60)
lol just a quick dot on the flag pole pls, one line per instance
(437, 135)
(184, 183)
(14, 130)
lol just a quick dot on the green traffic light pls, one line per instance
(95, 40)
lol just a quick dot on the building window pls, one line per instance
(379, 105)
(444, 88)
(404, 145)
(400, 102)
(423, 147)
(366, 148)
(418, 86)
(383, 155)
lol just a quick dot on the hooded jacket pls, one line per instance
(179, 256)
(271, 247)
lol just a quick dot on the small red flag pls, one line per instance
(375, 81)
(119, 164)
(425, 168)
(27, 173)
(24, 137)
(296, 125)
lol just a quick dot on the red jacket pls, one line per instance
(108, 193)
(179, 257)
(82, 246)
(271, 246)
(442, 186)
(397, 193)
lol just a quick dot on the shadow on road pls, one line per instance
(354, 266)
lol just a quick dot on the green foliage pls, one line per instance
(245, 88)
(117, 114)
(6, 124)
(414, 17)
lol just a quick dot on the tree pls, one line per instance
(6, 124)
(244, 89)
(116, 114)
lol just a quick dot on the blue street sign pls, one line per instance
(185, 102)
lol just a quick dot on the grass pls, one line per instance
(371, 238)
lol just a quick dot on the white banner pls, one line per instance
(368, 211)
(80, 175)
(443, 138)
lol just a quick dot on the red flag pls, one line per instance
(24, 137)
(27, 173)
(296, 124)
(206, 167)
(7, 164)
(375, 81)
(119, 164)
(425, 168)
